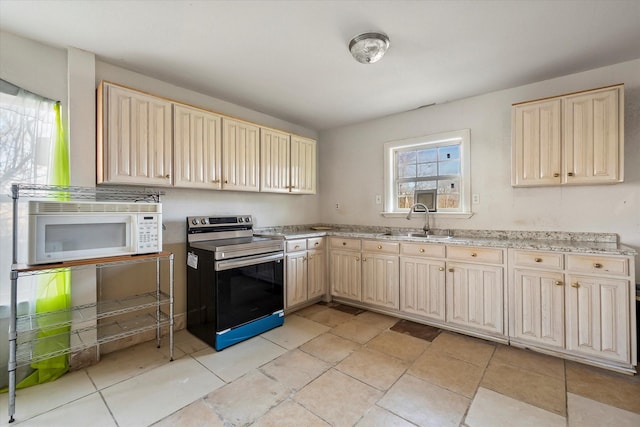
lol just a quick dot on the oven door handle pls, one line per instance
(246, 261)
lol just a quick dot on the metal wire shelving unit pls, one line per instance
(88, 325)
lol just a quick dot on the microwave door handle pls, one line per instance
(246, 261)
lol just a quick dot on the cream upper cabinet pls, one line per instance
(275, 161)
(593, 148)
(303, 165)
(240, 155)
(598, 317)
(197, 142)
(134, 139)
(536, 143)
(569, 139)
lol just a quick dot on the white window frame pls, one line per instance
(444, 138)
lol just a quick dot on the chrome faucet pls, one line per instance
(426, 216)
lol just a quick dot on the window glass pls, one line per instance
(435, 162)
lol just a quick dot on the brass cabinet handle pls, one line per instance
(442, 269)
(597, 265)
(575, 285)
(473, 254)
(538, 260)
(297, 247)
(421, 250)
(304, 258)
(451, 270)
(559, 283)
(379, 246)
(226, 181)
(555, 175)
(570, 174)
(316, 243)
(167, 176)
(357, 258)
(344, 243)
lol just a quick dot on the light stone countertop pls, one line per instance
(586, 243)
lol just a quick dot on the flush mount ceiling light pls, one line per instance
(369, 47)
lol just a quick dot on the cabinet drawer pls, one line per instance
(350, 244)
(380, 247)
(538, 259)
(315, 243)
(417, 249)
(598, 264)
(296, 245)
(467, 253)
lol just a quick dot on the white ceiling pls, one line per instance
(290, 59)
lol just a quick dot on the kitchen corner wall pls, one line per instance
(356, 156)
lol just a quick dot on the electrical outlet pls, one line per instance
(378, 199)
(475, 199)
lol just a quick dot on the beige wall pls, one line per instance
(356, 155)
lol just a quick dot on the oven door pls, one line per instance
(248, 288)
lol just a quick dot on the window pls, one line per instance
(418, 169)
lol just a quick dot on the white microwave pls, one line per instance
(65, 231)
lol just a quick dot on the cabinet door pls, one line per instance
(316, 267)
(598, 317)
(275, 166)
(380, 280)
(475, 296)
(345, 275)
(592, 137)
(536, 139)
(136, 139)
(296, 278)
(422, 287)
(197, 148)
(538, 308)
(240, 156)
(303, 165)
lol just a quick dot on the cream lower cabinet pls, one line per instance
(538, 307)
(305, 271)
(345, 267)
(316, 271)
(134, 138)
(598, 317)
(579, 305)
(422, 280)
(475, 291)
(381, 273)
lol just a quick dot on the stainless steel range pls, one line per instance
(235, 281)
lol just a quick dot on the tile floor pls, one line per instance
(333, 366)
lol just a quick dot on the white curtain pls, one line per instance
(26, 144)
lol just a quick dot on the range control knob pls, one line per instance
(247, 219)
(240, 219)
(194, 221)
(203, 221)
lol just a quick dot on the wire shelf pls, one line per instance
(86, 193)
(83, 338)
(32, 323)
